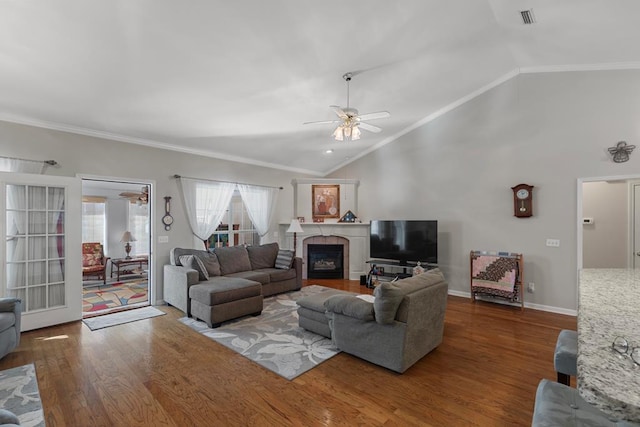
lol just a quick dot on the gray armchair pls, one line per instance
(403, 324)
(10, 315)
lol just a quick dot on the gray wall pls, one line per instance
(546, 130)
(605, 242)
(78, 154)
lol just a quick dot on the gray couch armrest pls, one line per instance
(297, 265)
(177, 280)
(15, 305)
(351, 306)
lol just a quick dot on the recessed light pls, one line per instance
(329, 151)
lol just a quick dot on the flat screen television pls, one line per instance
(406, 241)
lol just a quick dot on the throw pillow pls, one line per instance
(211, 263)
(192, 261)
(388, 299)
(284, 260)
(8, 305)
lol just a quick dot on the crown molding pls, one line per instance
(148, 143)
(613, 66)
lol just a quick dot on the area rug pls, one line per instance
(19, 394)
(118, 294)
(274, 339)
(127, 316)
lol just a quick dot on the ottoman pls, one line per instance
(228, 298)
(311, 312)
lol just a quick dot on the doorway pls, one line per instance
(116, 236)
(609, 222)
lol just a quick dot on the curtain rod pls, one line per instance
(229, 182)
(46, 162)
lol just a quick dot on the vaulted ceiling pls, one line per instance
(237, 79)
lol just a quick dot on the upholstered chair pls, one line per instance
(94, 263)
(10, 316)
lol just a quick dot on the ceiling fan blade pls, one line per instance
(324, 122)
(339, 111)
(370, 128)
(376, 115)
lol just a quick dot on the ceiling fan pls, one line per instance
(350, 122)
(139, 198)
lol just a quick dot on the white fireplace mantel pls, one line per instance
(356, 233)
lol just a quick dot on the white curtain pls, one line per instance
(206, 203)
(260, 203)
(56, 246)
(8, 164)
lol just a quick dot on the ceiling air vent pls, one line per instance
(527, 17)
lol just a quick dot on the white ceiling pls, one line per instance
(236, 79)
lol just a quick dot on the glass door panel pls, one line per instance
(35, 256)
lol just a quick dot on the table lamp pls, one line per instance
(295, 228)
(126, 238)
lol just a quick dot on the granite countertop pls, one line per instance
(609, 306)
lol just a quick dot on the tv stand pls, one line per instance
(388, 270)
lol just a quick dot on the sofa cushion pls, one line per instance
(91, 260)
(221, 290)
(350, 305)
(388, 297)
(256, 276)
(263, 256)
(194, 262)
(278, 274)
(284, 260)
(233, 259)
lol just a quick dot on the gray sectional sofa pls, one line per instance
(229, 268)
(403, 323)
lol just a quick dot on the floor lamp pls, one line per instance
(295, 228)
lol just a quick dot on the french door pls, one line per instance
(41, 257)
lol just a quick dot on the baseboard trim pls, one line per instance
(541, 307)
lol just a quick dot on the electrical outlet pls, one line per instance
(555, 243)
(531, 288)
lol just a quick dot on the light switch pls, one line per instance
(555, 243)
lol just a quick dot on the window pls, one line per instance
(242, 231)
(139, 227)
(94, 220)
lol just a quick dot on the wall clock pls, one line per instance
(522, 200)
(167, 219)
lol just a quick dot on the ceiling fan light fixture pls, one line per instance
(338, 134)
(355, 133)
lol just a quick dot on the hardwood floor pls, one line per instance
(159, 372)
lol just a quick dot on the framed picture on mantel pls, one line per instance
(325, 201)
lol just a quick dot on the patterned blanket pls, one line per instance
(494, 275)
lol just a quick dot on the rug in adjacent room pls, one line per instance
(274, 339)
(115, 295)
(19, 394)
(127, 316)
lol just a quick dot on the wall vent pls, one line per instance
(527, 17)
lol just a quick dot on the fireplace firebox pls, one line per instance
(325, 261)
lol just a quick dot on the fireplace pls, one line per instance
(325, 261)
